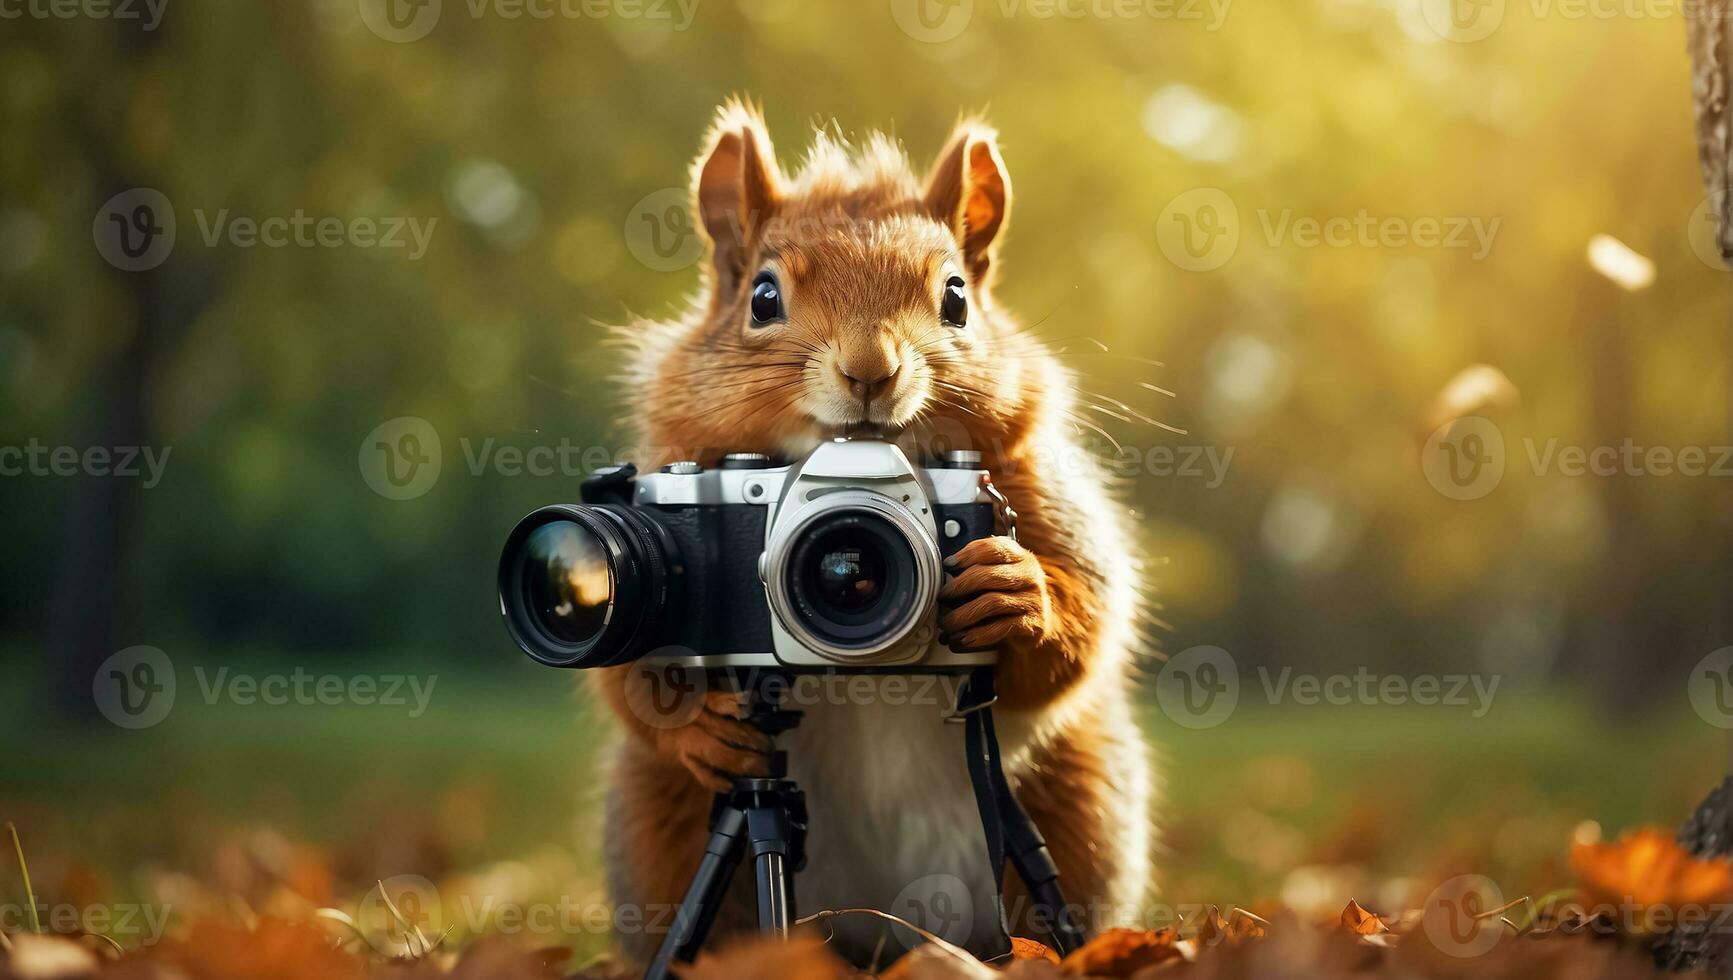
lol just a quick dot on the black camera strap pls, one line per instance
(1006, 825)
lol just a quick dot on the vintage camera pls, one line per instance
(833, 563)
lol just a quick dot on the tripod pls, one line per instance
(767, 816)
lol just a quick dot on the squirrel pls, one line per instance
(854, 297)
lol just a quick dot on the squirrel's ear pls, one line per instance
(736, 184)
(969, 191)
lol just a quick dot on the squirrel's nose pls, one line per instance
(877, 381)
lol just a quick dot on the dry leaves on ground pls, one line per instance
(1586, 933)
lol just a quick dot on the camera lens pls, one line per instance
(586, 586)
(846, 572)
(853, 581)
(568, 583)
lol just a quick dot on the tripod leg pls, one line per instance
(703, 899)
(772, 846)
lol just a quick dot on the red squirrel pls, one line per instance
(879, 317)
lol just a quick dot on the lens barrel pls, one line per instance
(853, 576)
(586, 586)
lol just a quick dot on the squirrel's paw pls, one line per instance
(718, 744)
(997, 595)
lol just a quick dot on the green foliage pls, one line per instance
(530, 141)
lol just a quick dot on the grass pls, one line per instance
(1281, 796)
(1290, 803)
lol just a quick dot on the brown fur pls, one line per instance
(862, 251)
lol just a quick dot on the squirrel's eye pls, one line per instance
(954, 306)
(766, 300)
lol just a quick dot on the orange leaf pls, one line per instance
(276, 950)
(752, 958)
(1647, 868)
(1361, 922)
(1119, 953)
(1029, 949)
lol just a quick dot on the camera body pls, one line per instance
(832, 563)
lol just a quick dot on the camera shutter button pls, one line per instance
(685, 467)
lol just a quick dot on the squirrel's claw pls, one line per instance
(997, 595)
(717, 745)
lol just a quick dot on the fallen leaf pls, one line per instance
(276, 949)
(1361, 922)
(1029, 949)
(1646, 877)
(932, 962)
(36, 957)
(801, 958)
(1119, 953)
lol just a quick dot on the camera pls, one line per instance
(832, 563)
